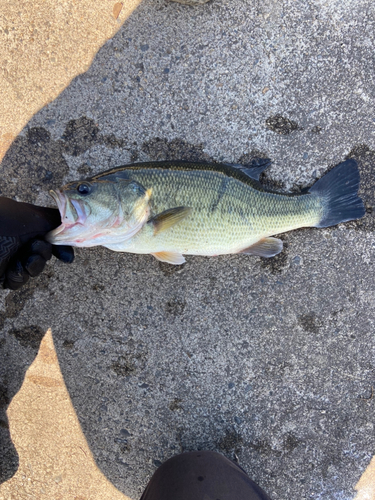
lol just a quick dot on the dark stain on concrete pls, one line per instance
(38, 135)
(277, 264)
(175, 405)
(35, 162)
(98, 287)
(272, 184)
(85, 170)
(175, 306)
(316, 130)
(230, 442)
(177, 149)
(281, 125)
(83, 133)
(290, 442)
(123, 367)
(169, 269)
(80, 135)
(309, 322)
(112, 141)
(15, 301)
(125, 448)
(68, 344)
(28, 336)
(264, 448)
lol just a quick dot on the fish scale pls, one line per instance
(229, 214)
(171, 209)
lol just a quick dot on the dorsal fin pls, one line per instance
(248, 174)
(256, 167)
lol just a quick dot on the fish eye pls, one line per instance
(84, 189)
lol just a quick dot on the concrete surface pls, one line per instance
(271, 361)
(55, 460)
(44, 44)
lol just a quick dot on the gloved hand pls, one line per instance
(23, 251)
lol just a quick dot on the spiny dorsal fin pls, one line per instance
(266, 247)
(174, 258)
(169, 218)
(257, 166)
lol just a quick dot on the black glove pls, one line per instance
(23, 251)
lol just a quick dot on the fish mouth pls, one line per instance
(71, 211)
(80, 211)
(73, 216)
(60, 200)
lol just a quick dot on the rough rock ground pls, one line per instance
(268, 360)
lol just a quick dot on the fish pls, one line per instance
(170, 209)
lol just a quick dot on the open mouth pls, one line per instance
(60, 200)
(72, 212)
(73, 216)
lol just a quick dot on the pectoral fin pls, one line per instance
(266, 247)
(171, 257)
(168, 218)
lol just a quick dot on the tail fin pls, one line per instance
(338, 190)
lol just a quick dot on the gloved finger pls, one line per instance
(63, 253)
(34, 265)
(8, 247)
(15, 276)
(25, 221)
(42, 248)
(33, 256)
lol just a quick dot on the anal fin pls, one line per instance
(266, 247)
(174, 258)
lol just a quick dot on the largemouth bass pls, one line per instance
(171, 209)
